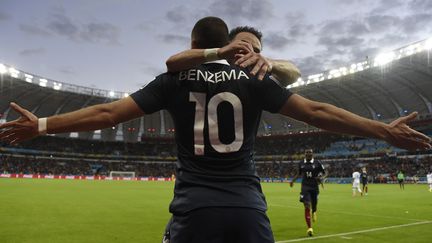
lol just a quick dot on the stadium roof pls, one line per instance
(381, 88)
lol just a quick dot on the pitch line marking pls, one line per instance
(348, 213)
(356, 232)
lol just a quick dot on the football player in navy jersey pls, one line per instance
(216, 109)
(312, 173)
(244, 50)
(364, 181)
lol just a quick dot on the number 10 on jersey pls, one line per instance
(200, 109)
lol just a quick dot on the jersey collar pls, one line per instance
(221, 61)
(311, 161)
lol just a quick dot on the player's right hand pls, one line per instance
(261, 65)
(229, 51)
(21, 129)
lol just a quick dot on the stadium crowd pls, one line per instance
(276, 157)
(379, 170)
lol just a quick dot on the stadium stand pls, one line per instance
(376, 88)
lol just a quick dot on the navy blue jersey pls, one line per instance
(363, 176)
(310, 171)
(216, 109)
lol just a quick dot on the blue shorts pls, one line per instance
(309, 194)
(221, 225)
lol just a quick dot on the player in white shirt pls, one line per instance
(429, 180)
(355, 183)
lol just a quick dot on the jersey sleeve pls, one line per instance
(154, 96)
(271, 95)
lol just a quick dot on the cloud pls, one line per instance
(4, 17)
(63, 25)
(177, 15)
(33, 30)
(276, 41)
(172, 38)
(348, 25)
(296, 29)
(95, 32)
(346, 41)
(421, 5)
(255, 11)
(31, 52)
(416, 22)
(66, 70)
(379, 23)
(360, 54)
(387, 5)
(100, 32)
(310, 65)
(297, 25)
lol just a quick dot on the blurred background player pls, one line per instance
(312, 172)
(401, 180)
(356, 183)
(429, 180)
(364, 181)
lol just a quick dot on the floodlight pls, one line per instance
(28, 78)
(111, 93)
(125, 95)
(57, 86)
(13, 72)
(2, 68)
(384, 58)
(43, 82)
(427, 46)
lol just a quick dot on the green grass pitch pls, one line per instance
(130, 211)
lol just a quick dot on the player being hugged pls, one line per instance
(313, 174)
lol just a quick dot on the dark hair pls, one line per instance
(249, 29)
(210, 32)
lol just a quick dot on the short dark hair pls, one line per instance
(210, 32)
(249, 29)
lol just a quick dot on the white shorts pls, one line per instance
(356, 185)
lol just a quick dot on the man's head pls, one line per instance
(364, 169)
(308, 154)
(248, 34)
(209, 32)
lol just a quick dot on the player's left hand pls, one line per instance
(21, 129)
(261, 65)
(402, 136)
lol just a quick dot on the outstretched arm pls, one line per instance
(335, 119)
(87, 119)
